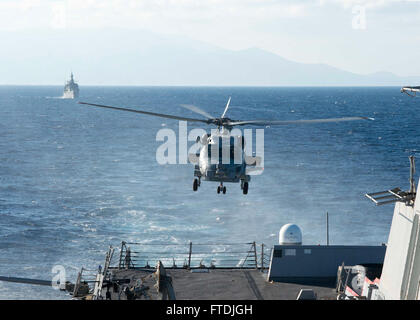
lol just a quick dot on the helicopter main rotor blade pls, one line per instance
(285, 122)
(162, 115)
(226, 108)
(197, 110)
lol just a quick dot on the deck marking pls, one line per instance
(253, 286)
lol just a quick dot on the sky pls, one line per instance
(361, 36)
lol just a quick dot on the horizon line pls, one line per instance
(209, 86)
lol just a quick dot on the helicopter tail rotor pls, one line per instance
(226, 108)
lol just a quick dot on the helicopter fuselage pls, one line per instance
(222, 159)
(220, 171)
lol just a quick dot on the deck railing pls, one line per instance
(190, 255)
(194, 255)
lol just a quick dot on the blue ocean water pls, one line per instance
(76, 179)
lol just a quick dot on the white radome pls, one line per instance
(290, 234)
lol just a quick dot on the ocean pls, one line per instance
(75, 179)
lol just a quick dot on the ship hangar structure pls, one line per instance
(316, 264)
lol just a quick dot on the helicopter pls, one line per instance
(210, 162)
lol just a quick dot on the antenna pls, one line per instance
(412, 172)
(396, 194)
(328, 232)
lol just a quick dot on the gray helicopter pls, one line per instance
(222, 155)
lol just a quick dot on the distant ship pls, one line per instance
(71, 89)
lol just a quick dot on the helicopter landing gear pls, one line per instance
(244, 187)
(221, 188)
(196, 184)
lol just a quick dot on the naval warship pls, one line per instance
(71, 89)
(289, 270)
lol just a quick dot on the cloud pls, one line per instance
(177, 16)
(140, 13)
(302, 30)
(369, 4)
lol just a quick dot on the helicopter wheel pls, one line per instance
(245, 188)
(195, 185)
(224, 190)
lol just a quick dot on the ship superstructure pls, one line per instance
(71, 89)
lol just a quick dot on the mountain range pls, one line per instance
(127, 57)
